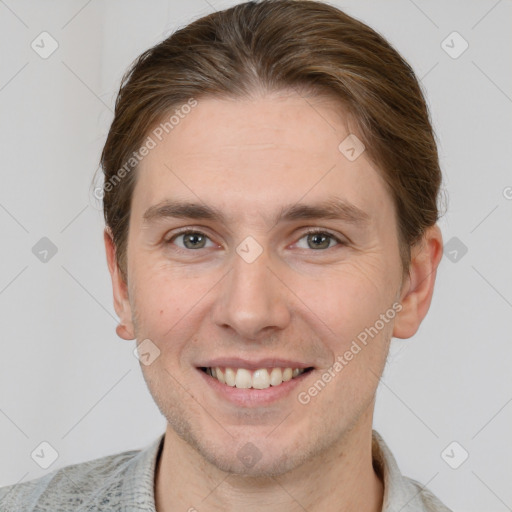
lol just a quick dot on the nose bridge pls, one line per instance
(252, 299)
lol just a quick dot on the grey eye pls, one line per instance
(318, 240)
(191, 240)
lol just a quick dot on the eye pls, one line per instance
(315, 239)
(190, 240)
(318, 239)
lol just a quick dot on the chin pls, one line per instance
(251, 452)
(250, 461)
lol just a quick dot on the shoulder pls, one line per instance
(70, 486)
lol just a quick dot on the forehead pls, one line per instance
(254, 154)
(284, 123)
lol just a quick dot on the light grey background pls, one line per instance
(65, 376)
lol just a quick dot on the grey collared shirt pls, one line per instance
(124, 482)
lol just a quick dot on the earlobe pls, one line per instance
(120, 290)
(418, 287)
(123, 332)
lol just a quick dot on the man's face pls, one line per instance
(254, 291)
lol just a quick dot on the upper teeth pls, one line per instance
(258, 379)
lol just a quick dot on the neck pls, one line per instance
(341, 478)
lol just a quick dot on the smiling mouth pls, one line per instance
(261, 378)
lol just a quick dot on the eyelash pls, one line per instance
(304, 234)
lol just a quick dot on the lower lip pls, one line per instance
(253, 397)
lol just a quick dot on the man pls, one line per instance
(270, 192)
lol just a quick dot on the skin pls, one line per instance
(249, 158)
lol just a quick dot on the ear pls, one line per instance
(121, 302)
(418, 287)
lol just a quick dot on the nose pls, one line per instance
(252, 299)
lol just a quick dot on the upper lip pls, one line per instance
(255, 364)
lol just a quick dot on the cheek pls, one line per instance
(159, 301)
(351, 298)
(169, 306)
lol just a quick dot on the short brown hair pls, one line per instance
(275, 45)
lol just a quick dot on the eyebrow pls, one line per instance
(332, 208)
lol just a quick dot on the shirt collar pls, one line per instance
(139, 485)
(400, 493)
